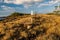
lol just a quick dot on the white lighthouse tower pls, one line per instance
(32, 13)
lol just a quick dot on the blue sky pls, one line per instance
(25, 6)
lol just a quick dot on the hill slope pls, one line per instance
(14, 28)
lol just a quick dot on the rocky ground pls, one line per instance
(13, 28)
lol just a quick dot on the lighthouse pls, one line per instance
(32, 13)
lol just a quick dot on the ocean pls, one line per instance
(1, 18)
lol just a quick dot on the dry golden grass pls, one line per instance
(14, 28)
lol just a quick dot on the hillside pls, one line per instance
(13, 28)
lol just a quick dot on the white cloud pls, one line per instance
(8, 1)
(52, 2)
(55, 0)
(27, 6)
(21, 1)
(26, 3)
(6, 8)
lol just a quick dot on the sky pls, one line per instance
(25, 6)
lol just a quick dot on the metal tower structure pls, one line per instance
(57, 8)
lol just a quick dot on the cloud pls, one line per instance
(0, 0)
(6, 8)
(25, 3)
(52, 2)
(21, 1)
(27, 6)
(56, 0)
